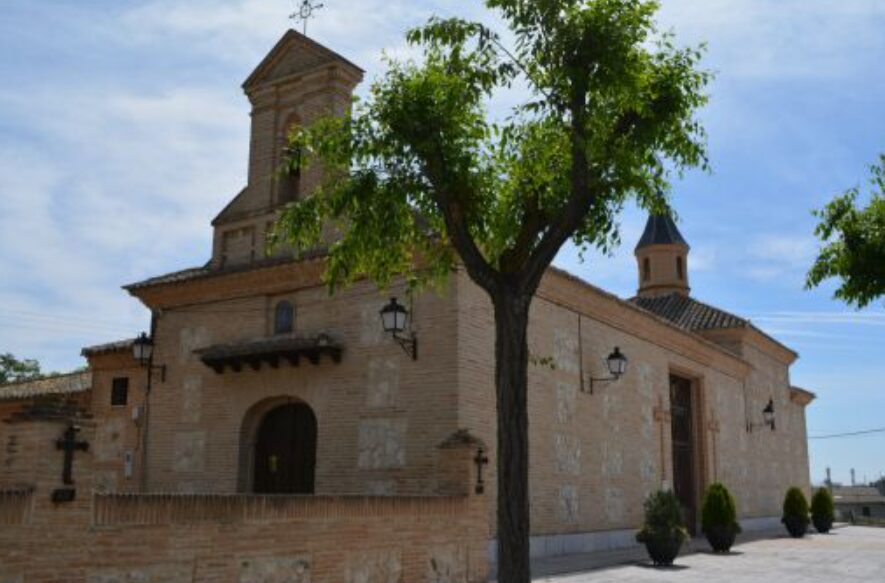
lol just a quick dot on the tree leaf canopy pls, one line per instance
(419, 176)
(853, 243)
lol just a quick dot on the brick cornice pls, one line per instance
(564, 289)
(214, 287)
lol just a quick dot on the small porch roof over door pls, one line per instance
(271, 351)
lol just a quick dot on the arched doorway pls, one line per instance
(285, 451)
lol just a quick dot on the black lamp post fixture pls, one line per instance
(143, 351)
(617, 367)
(767, 418)
(395, 319)
(768, 414)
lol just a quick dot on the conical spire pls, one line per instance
(660, 230)
(662, 258)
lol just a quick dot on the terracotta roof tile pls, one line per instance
(66, 384)
(688, 313)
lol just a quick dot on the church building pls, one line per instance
(263, 430)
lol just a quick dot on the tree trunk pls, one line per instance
(511, 384)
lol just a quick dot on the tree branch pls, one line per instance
(514, 258)
(580, 201)
(456, 226)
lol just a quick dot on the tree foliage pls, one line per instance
(420, 176)
(13, 369)
(853, 243)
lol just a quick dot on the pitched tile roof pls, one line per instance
(108, 348)
(209, 271)
(174, 277)
(660, 230)
(688, 313)
(66, 384)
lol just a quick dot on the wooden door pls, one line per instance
(285, 451)
(682, 428)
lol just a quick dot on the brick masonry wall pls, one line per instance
(380, 414)
(119, 428)
(594, 458)
(174, 538)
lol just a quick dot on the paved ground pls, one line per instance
(848, 554)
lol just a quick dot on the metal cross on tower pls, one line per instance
(305, 13)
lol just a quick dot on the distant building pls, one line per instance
(858, 501)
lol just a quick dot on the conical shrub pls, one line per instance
(823, 510)
(719, 518)
(795, 516)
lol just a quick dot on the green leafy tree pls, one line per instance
(853, 243)
(13, 369)
(420, 179)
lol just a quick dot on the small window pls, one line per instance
(646, 269)
(120, 392)
(679, 268)
(284, 318)
(866, 511)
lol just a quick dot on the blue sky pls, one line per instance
(123, 131)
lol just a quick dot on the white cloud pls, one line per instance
(120, 186)
(765, 39)
(778, 256)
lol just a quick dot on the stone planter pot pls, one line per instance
(796, 525)
(663, 551)
(822, 524)
(721, 537)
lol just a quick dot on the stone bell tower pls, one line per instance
(662, 258)
(297, 82)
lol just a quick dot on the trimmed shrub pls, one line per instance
(664, 530)
(719, 518)
(795, 516)
(823, 511)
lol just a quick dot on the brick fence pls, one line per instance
(190, 538)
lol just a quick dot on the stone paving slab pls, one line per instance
(848, 554)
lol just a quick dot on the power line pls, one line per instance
(849, 434)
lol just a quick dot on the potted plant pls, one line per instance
(719, 518)
(663, 532)
(823, 512)
(795, 513)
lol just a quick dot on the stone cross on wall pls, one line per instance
(662, 416)
(69, 444)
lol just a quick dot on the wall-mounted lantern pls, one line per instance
(768, 414)
(617, 367)
(395, 320)
(143, 351)
(767, 418)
